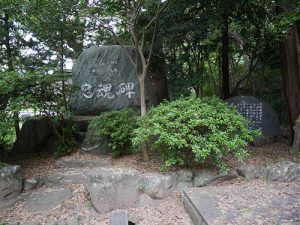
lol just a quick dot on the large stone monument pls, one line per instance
(105, 79)
(261, 115)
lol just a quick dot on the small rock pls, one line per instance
(184, 176)
(72, 221)
(73, 177)
(44, 201)
(284, 171)
(10, 182)
(183, 185)
(145, 200)
(250, 172)
(30, 223)
(158, 185)
(203, 178)
(30, 184)
(206, 177)
(119, 218)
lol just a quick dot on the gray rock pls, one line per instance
(94, 144)
(107, 80)
(30, 223)
(30, 184)
(114, 188)
(120, 194)
(33, 136)
(184, 176)
(106, 174)
(41, 182)
(69, 177)
(111, 188)
(80, 163)
(283, 171)
(10, 182)
(43, 201)
(250, 171)
(203, 178)
(264, 140)
(145, 200)
(260, 113)
(184, 185)
(72, 221)
(158, 186)
(207, 177)
(119, 218)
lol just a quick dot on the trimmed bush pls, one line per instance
(118, 126)
(204, 128)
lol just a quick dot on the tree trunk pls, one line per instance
(144, 149)
(143, 98)
(291, 73)
(225, 94)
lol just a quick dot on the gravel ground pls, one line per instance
(80, 205)
(169, 211)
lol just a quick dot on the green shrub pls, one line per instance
(199, 128)
(118, 127)
(3, 164)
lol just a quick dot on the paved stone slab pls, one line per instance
(256, 202)
(43, 201)
(119, 218)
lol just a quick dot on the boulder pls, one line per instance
(30, 184)
(116, 188)
(145, 200)
(158, 186)
(43, 201)
(94, 144)
(10, 182)
(261, 115)
(33, 136)
(207, 177)
(113, 189)
(81, 163)
(106, 80)
(283, 171)
(70, 177)
(69, 221)
(184, 176)
(250, 171)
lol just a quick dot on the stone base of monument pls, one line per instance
(251, 203)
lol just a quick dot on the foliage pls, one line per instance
(118, 127)
(40, 93)
(2, 164)
(204, 128)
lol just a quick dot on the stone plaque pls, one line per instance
(261, 115)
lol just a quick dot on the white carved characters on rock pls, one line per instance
(105, 90)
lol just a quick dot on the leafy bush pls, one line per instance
(118, 127)
(202, 128)
(45, 94)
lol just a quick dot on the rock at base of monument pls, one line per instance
(44, 201)
(106, 80)
(10, 182)
(261, 115)
(264, 140)
(94, 144)
(33, 136)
